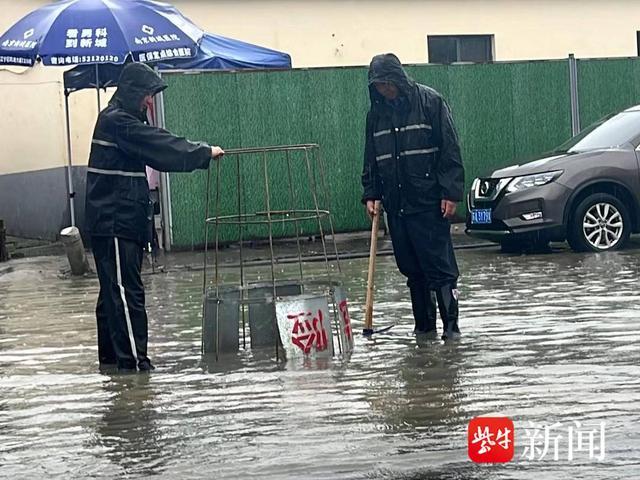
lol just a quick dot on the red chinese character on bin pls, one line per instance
(344, 312)
(490, 439)
(308, 332)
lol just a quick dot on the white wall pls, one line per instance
(317, 33)
(31, 130)
(32, 123)
(350, 32)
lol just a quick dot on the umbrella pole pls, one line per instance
(98, 88)
(69, 166)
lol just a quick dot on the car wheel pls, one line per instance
(601, 222)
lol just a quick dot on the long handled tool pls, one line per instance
(373, 250)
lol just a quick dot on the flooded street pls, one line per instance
(548, 339)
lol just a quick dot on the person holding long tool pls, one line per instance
(412, 163)
(118, 209)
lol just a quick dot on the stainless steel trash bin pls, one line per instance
(221, 320)
(262, 311)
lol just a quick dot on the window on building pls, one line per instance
(460, 48)
(638, 42)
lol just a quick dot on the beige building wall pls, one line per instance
(32, 122)
(32, 118)
(350, 32)
(317, 33)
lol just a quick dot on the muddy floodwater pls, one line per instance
(548, 340)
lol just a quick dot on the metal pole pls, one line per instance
(320, 164)
(236, 151)
(292, 197)
(336, 321)
(269, 222)
(165, 207)
(98, 88)
(320, 161)
(206, 230)
(312, 186)
(575, 99)
(72, 194)
(217, 213)
(204, 272)
(165, 185)
(244, 339)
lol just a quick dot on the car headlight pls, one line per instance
(535, 180)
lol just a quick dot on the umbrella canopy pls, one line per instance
(215, 53)
(222, 53)
(75, 32)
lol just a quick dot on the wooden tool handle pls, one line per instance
(368, 316)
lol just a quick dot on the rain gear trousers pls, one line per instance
(119, 210)
(412, 162)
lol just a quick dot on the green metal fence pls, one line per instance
(505, 113)
(607, 85)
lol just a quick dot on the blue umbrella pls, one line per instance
(75, 32)
(215, 53)
(93, 32)
(221, 53)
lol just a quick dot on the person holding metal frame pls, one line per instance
(119, 211)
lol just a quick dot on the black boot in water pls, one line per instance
(424, 309)
(448, 305)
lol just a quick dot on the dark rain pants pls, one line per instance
(120, 312)
(424, 254)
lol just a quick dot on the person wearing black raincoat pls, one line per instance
(118, 209)
(412, 163)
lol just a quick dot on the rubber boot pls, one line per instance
(145, 366)
(447, 296)
(432, 314)
(424, 309)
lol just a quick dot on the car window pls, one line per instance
(612, 131)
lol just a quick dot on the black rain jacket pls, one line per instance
(412, 156)
(117, 199)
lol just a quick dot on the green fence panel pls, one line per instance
(270, 114)
(505, 113)
(542, 107)
(198, 108)
(435, 76)
(280, 108)
(606, 86)
(481, 102)
(338, 103)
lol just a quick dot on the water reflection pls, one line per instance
(129, 430)
(545, 338)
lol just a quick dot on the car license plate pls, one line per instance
(481, 216)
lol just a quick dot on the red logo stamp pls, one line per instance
(308, 332)
(490, 439)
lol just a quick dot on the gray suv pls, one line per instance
(586, 192)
